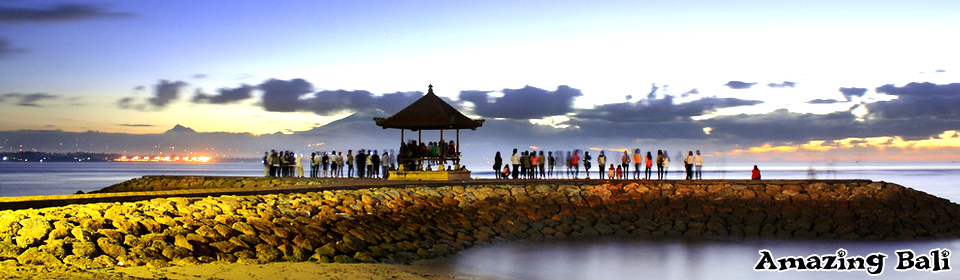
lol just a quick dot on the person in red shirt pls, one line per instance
(575, 162)
(649, 162)
(756, 173)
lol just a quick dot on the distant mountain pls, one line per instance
(181, 129)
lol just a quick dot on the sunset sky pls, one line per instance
(810, 80)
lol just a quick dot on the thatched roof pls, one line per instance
(429, 112)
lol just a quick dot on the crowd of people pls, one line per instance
(423, 156)
(534, 165)
(363, 164)
(519, 165)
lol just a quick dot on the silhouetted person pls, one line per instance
(497, 164)
(543, 163)
(361, 163)
(375, 159)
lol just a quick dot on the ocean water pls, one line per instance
(594, 258)
(720, 258)
(54, 178)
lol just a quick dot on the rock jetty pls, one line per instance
(166, 183)
(402, 224)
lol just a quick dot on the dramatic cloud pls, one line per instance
(689, 93)
(6, 48)
(823, 101)
(919, 101)
(295, 95)
(226, 95)
(125, 103)
(849, 93)
(392, 103)
(525, 103)
(284, 96)
(28, 100)
(135, 125)
(653, 91)
(782, 125)
(660, 110)
(332, 102)
(62, 12)
(166, 92)
(739, 85)
(784, 84)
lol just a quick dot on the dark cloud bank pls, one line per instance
(28, 100)
(61, 12)
(6, 48)
(739, 85)
(525, 103)
(225, 95)
(919, 111)
(58, 13)
(296, 95)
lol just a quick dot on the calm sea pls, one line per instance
(595, 258)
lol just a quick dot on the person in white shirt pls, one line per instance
(698, 162)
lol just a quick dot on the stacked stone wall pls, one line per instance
(166, 183)
(401, 224)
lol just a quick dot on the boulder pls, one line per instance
(34, 229)
(9, 223)
(181, 241)
(9, 250)
(110, 247)
(85, 249)
(35, 256)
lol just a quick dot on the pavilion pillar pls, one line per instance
(442, 152)
(458, 150)
(400, 163)
(419, 142)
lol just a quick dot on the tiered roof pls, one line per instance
(431, 113)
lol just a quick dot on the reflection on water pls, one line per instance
(658, 258)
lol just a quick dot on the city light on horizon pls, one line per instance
(200, 159)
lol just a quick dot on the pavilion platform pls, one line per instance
(444, 175)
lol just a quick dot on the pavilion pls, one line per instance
(429, 113)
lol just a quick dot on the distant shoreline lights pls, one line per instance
(202, 159)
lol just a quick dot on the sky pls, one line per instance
(755, 80)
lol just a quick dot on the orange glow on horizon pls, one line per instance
(200, 159)
(886, 147)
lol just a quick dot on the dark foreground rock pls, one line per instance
(402, 224)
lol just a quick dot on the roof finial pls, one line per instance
(430, 89)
